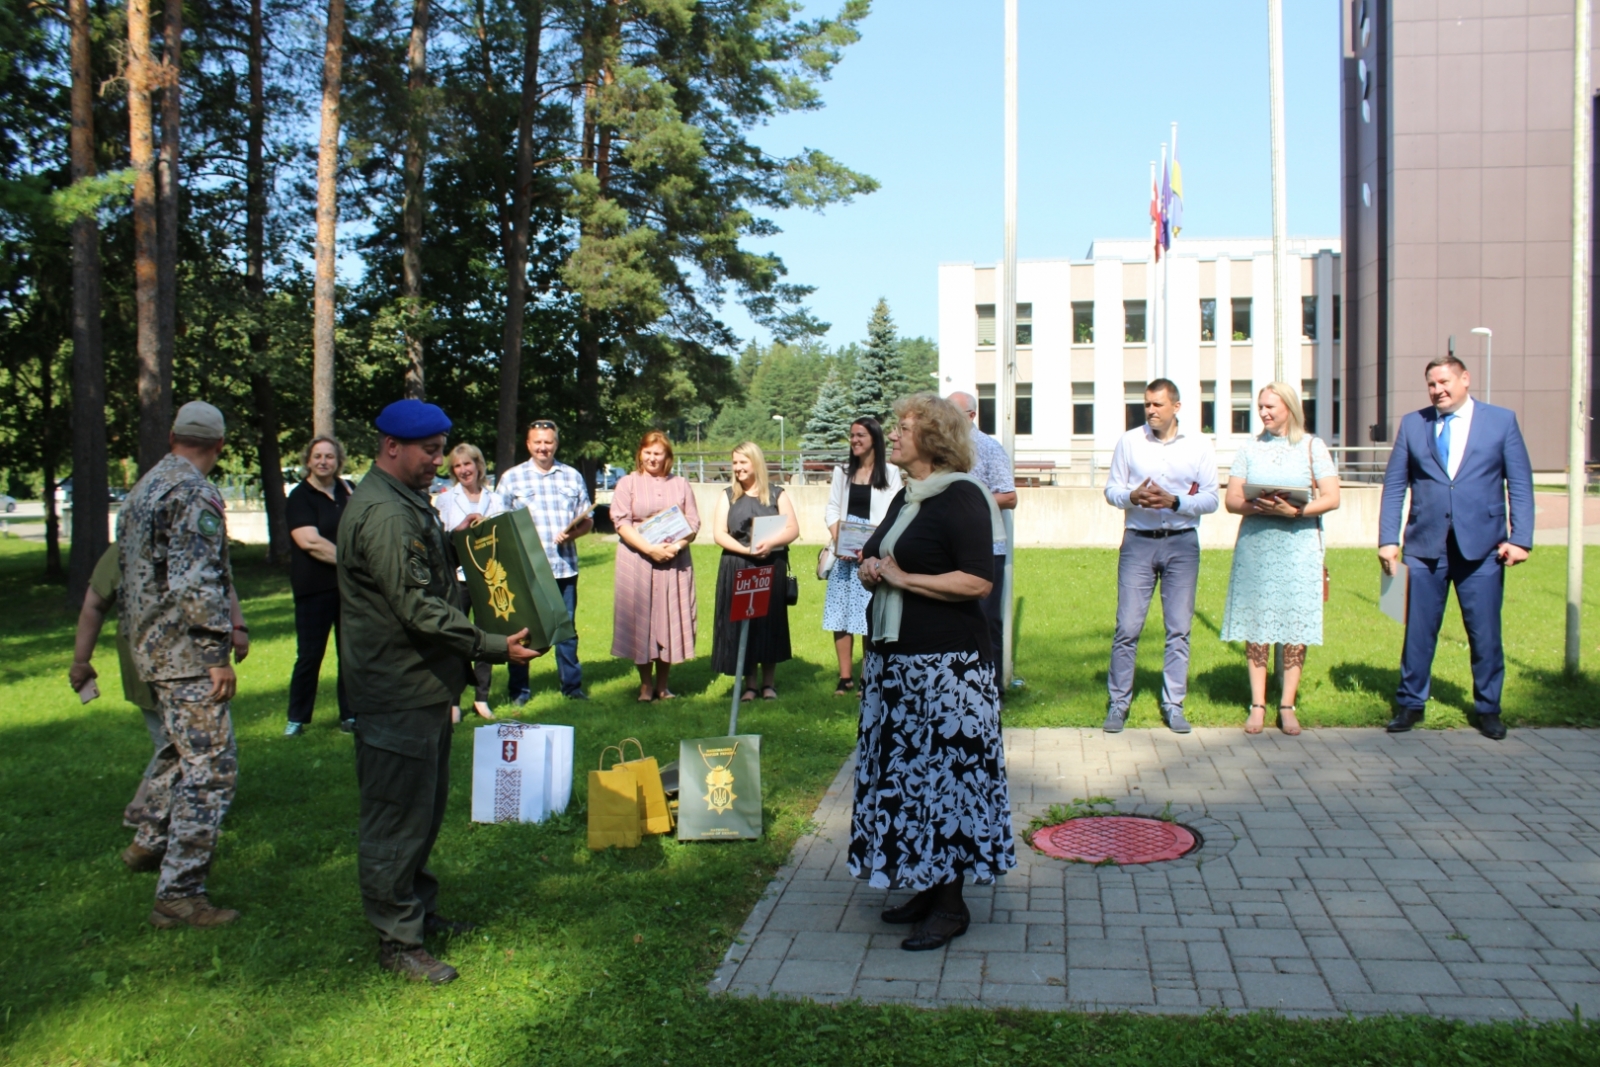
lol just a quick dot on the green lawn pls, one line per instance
(584, 958)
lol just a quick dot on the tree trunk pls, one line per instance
(268, 454)
(167, 185)
(155, 380)
(507, 426)
(48, 450)
(327, 226)
(411, 219)
(89, 515)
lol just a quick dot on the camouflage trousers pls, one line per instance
(147, 812)
(200, 779)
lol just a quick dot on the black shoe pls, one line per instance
(415, 964)
(1404, 719)
(937, 930)
(1491, 727)
(577, 694)
(912, 911)
(434, 923)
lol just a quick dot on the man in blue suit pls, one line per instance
(1461, 460)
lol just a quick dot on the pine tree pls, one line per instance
(828, 425)
(874, 390)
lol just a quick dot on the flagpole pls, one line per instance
(1166, 293)
(1578, 387)
(1280, 211)
(1158, 305)
(1006, 400)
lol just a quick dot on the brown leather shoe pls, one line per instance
(195, 911)
(414, 963)
(138, 858)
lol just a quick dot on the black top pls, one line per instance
(310, 506)
(742, 514)
(860, 506)
(950, 533)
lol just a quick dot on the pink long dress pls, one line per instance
(655, 610)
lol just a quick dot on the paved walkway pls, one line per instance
(1343, 871)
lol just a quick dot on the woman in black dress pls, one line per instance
(931, 803)
(752, 496)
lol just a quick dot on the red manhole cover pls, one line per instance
(1121, 838)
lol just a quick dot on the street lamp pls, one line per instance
(1488, 361)
(782, 427)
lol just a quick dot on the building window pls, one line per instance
(986, 409)
(1024, 408)
(1133, 321)
(987, 326)
(1241, 319)
(1083, 408)
(1308, 403)
(1337, 310)
(1243, 398)
(1208, 407)
(1336, 413)
(1083, 322)
(1133, 404)
(1308, 317)
(1208, 320)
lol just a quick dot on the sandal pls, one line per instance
(846, 685)
(666, 694)
(1292, 726)
(646, 695)
(769, 693)
(747, 696)
(1259, 726)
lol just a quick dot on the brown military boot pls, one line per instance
(414, 963)
(194, 911)
(138, 858)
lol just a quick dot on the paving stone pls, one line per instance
(989, 937)
(1387, 945)
(1112, 954)
(815, 977)
(1024, 968)
(1286, 992)
(1344, 976)
(1105, 987)
(1410, 976)
(1265, 943)
(902, 965)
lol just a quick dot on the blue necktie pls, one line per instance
(1442, 443)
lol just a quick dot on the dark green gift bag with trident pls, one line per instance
(719, 788)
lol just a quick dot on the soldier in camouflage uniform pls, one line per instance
(175, 600)
(147, 812)
(406, 645)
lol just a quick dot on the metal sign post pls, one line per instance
(752, 596)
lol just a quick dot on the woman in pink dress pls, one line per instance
(655, 612)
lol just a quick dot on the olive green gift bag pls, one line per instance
(719, 788)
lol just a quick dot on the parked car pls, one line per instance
(439, 485)
(8, 504)
(608, 476)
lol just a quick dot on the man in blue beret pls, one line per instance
(405, 644)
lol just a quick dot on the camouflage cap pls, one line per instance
(201, 420)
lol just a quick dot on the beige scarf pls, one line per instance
(888, 602)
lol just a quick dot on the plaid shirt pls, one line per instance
(552, 498)
(992, 467)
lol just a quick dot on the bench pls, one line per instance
(1033, 473)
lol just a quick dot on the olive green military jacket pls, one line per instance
(404, 638)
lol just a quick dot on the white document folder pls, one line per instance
(1394, 593)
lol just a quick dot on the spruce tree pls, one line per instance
(875, 388)
(828, 425)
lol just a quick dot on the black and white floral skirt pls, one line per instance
(931, 801)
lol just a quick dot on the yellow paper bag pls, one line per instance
(657, 819)
(616, 806)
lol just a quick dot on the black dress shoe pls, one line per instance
(1491, 727)
(937, 930)
(912, 911)
(434, 923)
(1404, 719)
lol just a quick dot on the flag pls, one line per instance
(1155, 212)
(1166, 202)
(1174, 208)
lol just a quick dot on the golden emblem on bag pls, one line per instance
(719, 780)
(501, 598)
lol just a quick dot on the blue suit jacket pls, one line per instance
(1494, 467)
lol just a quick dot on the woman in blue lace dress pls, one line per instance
(1275, 588)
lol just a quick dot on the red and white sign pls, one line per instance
(752, 592)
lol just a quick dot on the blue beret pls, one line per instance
(412, 420)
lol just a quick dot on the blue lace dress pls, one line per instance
(1275, 588)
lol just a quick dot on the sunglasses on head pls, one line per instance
(544, 424)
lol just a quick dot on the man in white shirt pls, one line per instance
(554, 495)
(1164, 480)
(992, 467)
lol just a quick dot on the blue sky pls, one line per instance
(917, 104)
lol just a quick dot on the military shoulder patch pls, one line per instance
(419, 570)
(208, 523)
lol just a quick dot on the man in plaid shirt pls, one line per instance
(554, 494)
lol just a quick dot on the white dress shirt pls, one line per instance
(1460, 426)
(1185, 466)
(454, 506)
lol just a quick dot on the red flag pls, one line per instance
(1155, 215)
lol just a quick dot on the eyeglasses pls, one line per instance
(543, 424)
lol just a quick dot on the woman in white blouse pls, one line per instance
(459, 506)
(861, 491)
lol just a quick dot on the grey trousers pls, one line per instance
(1175, 563)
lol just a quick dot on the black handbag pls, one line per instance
(791, 591)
